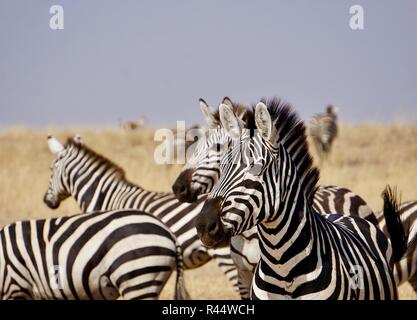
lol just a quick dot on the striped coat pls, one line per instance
(105, 255)
(202, 171)
(304, 255)
(97, 184)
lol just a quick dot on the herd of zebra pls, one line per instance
(247, 197)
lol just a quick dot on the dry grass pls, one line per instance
(365, 158)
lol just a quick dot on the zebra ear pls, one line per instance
(240, 112)
(208, 114)
(54, 145)
(263, 120)
(229, 121)
(228, 102)
(78, 139)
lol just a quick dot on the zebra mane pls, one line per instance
(93, 154)
(238, 109)
(291, 135)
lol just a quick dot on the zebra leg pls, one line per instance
(181, 292)
(413, 282)
(226, 264)
(244, 250)
(245, 283)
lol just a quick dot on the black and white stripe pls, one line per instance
(304, 254)
(245, 249)
(202, 172)
(406, 268)
(323, 130)
(106, 255)
(97, 184)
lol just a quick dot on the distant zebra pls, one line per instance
(106, 255)
(304, 255)
(132, 125)
(323, 130)
(97, 184)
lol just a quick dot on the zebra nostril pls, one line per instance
(183, 190)
(212, 228)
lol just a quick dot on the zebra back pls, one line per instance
(258, 173)
(102, 255)
(98, 184)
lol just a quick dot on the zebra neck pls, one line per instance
(98, 191)
(2, 265)
(288, 244)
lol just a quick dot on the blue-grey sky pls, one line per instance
(118, 60)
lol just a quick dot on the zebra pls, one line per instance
(97, 184)
(202, 171)
(323, 130)
(245, 250)
(304, 255)
(406, 268)
(125, 254)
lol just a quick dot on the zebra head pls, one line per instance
(259, 174)
(59, 184)
(242, 196)
(202, 171)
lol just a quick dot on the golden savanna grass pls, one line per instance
(365, 158)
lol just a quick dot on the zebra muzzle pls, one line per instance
(209, 226)
(182, 187)
(50, 201)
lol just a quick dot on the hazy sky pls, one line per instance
(125, 59)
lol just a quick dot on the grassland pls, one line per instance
(365, 158)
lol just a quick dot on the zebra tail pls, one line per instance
(393, 222)
(180, 289)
